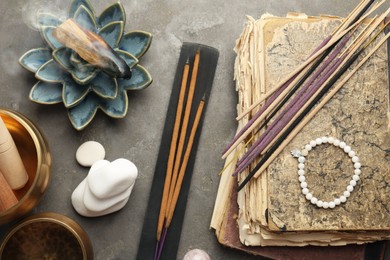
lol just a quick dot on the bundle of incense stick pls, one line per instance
(177, 162)
(271, 210)
(302, 90)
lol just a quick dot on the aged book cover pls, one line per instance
(272, 210)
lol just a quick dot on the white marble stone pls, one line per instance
(106, 189)
(90, 152)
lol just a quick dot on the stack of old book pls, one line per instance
(270, 216)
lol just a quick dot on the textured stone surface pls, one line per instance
(216, 23)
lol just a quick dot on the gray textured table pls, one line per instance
(137, 137)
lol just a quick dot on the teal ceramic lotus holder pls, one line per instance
(64, 77)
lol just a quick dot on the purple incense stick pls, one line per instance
(294, 106)
(272, 98)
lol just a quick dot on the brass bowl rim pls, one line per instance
(40, 147)
(64, 221)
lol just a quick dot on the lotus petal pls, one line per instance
(62, 57)
(136, 42)
(47, 35)
(112, 33)
(50, 72)
(73, 93)
(35, 58)
(46, 93)
(105, 86)
(76, 60)
(117, 107)
(85, 18)
(46, 19)
(113, 13)
(140, 79)
(82, 114)
(75, 4)
(130, 60)
(84, 74)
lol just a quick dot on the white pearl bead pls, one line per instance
(343, 199)
(352, 183)
(301, 159)
(324, 139)
(325, 205)
(303, 185)
(346, 194)
(347, 149)
(336, 142)
(330, 140)
(304, 152)
(342, 145)
(355, 159)
(309, 196)
(350, 188)
(318, 141)
(332, 205)
(308, 147)
(314, 200)
(337, 201)
(357, 165)
(320, 203)
(302, 178)
(301, 172)
(357, 171)
(355, 177)
(313, 143)
(305, 191)
(301, 166)
(351, 154)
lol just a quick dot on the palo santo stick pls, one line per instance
(183, 166)
(183, 131)
(172, 150)
(317, 108)
(7, 197)
(92, 48)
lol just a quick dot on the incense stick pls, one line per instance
(338, 34)
(183, 131)
(183, 168)
(172, 150)
(278, 144)
(238, 140)
(300, 99)
(173, 177)
(317, 108)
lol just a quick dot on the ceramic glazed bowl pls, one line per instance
(36, 157)
(64, 77)
(47, 236)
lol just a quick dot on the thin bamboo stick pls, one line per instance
(183, 166)
(183, 131)
(172, 150)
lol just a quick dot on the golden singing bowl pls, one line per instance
(35, 154)
(47, 236)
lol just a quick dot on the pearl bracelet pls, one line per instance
(301, 171)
